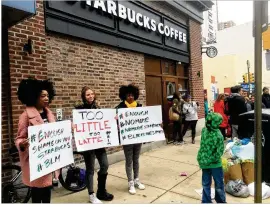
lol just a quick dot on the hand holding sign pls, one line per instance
(142, 124)
(50, 148)
(95, 128)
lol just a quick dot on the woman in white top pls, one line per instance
(190, 109)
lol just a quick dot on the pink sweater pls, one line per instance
(31, 117)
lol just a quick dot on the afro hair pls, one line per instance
(130, 89)
(30, 89)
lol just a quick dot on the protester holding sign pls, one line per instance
(89, 102)
(36, 95)
(129, 94)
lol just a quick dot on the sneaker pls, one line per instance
(139, 185)
(131, 188)
(181, 143)
(175, 143)
(94, 199)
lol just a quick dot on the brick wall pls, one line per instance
(195, 82)
(23, 65)
(74, 63)
(5, 99)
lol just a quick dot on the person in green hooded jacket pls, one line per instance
(209, 159)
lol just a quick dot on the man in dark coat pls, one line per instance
(236, 106)
(266, 97)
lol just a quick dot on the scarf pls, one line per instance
(132, 105)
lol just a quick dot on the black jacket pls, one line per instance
(236, 106)
(88, 106)
(266, 100)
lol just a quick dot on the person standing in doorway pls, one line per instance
(90, 102)
(266, 97)
(236, 106)
(190, 110)
(177, 125)
(220, 108)
(36, 95)
(129, 96)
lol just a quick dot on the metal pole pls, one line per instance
(258, 100)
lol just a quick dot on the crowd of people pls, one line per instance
(231, 106)
(36, 95)
(225, 116)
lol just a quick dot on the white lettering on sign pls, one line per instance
(153, 25)
(161, 28)
(122, 11)
(110, 7)
(131, 15)
(139, 19)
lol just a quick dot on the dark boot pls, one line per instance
(102, 194)
(193, 140)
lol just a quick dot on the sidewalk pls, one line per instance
(160, 171)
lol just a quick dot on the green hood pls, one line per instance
(212, 146)
(212, 121)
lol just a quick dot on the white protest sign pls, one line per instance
(95, 128)
(50, 148)
(141, 124)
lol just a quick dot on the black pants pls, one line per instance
(177, 129)
(89, 159)
(192, 125)
(41, 195)
(223, 132)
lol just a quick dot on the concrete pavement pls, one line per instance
(160, 172)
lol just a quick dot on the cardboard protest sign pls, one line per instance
(95, 128)
(142, 124)
(50, 148)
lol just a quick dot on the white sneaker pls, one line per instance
(94, 199)
(131, 188)
(139, 185)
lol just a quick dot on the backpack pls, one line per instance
(173, 116)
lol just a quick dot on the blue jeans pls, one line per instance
(217, 174)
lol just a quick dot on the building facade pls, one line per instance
(103, 45)
(225, 25)
(209, 27)
(229, 66)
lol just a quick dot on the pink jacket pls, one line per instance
(31, 117)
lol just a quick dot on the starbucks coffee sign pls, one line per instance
(134, 17)
(130, 25)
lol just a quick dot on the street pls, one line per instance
(160, 171)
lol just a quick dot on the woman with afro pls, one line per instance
(36, 95)
(129, 94)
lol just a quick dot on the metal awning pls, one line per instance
(16, 11)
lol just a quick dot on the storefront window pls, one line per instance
(166, 68)
(170, 88)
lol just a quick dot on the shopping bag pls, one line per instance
(248, 172)
(235, 172)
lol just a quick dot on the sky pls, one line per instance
(230, 10)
